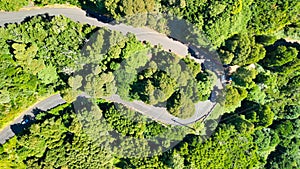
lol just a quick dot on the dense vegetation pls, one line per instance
(166, 79)
(68, 139)
(34, 57)
(105, 57)
(260, 129)
(45, 54)
(14, 5)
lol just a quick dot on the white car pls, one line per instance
(25, 121)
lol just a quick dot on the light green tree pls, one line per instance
(48, 75)
(4, 96)
(75, 82)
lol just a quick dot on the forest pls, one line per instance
(33, 60)
(259, 129)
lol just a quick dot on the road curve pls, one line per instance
(155, 38)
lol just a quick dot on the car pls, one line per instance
(25, 121)
(223, 79)
(203, 68)
(193, 51)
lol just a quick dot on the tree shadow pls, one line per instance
(45, 17)
(96, 10)
(26, 122)
(100, 17)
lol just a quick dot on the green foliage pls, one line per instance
(265, 40)
(5, 97)
(285, 157)
(151, 162)
(50, 2)
(241, 50)
(286, 153)
(256, 94)
(241, 123)
(233, 98)
(32, 61)
(292, 31)
(204, 85)
(281, 56)
(251, 116)
(15, 5)
(103, 85)
(244, 77)
(194, 67)
(180, 105)
(75, 82)
(57, 142)
(37, 58)
(266, 140)
(12, 5)
(265, 117)
(130, 123)
(271, 16)
(280, 84)
(215, 19)
(128, 7)
(48, 75)
(225, 149)
(292, 111)
(157, 79)
(61, 138)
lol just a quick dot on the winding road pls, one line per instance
(156, 113)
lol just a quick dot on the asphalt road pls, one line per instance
(79, 15)
(155, 38)
(16, 125)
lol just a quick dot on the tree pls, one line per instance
(244, 77)
(48, 75)
(257, 95)
(194, 67)
(33, 53)
(233, 98)
(265, 117)
(291, 111)
(204, 86)
(280, 56)
(284, 129)
(112, 7)
(12, 5)
(149, 93)
(104, 85)
(285, 156)
(5, 97)
(274, 15)
(265, 40)
(180, 105)
(35, 66)
(75, 82)
(24, 53)
(70, 95)
(228, 147)
(128, 7)
(165, 84)
(241, 50)
(266, 140)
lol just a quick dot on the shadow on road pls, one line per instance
(99, 17)
(27, 120)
